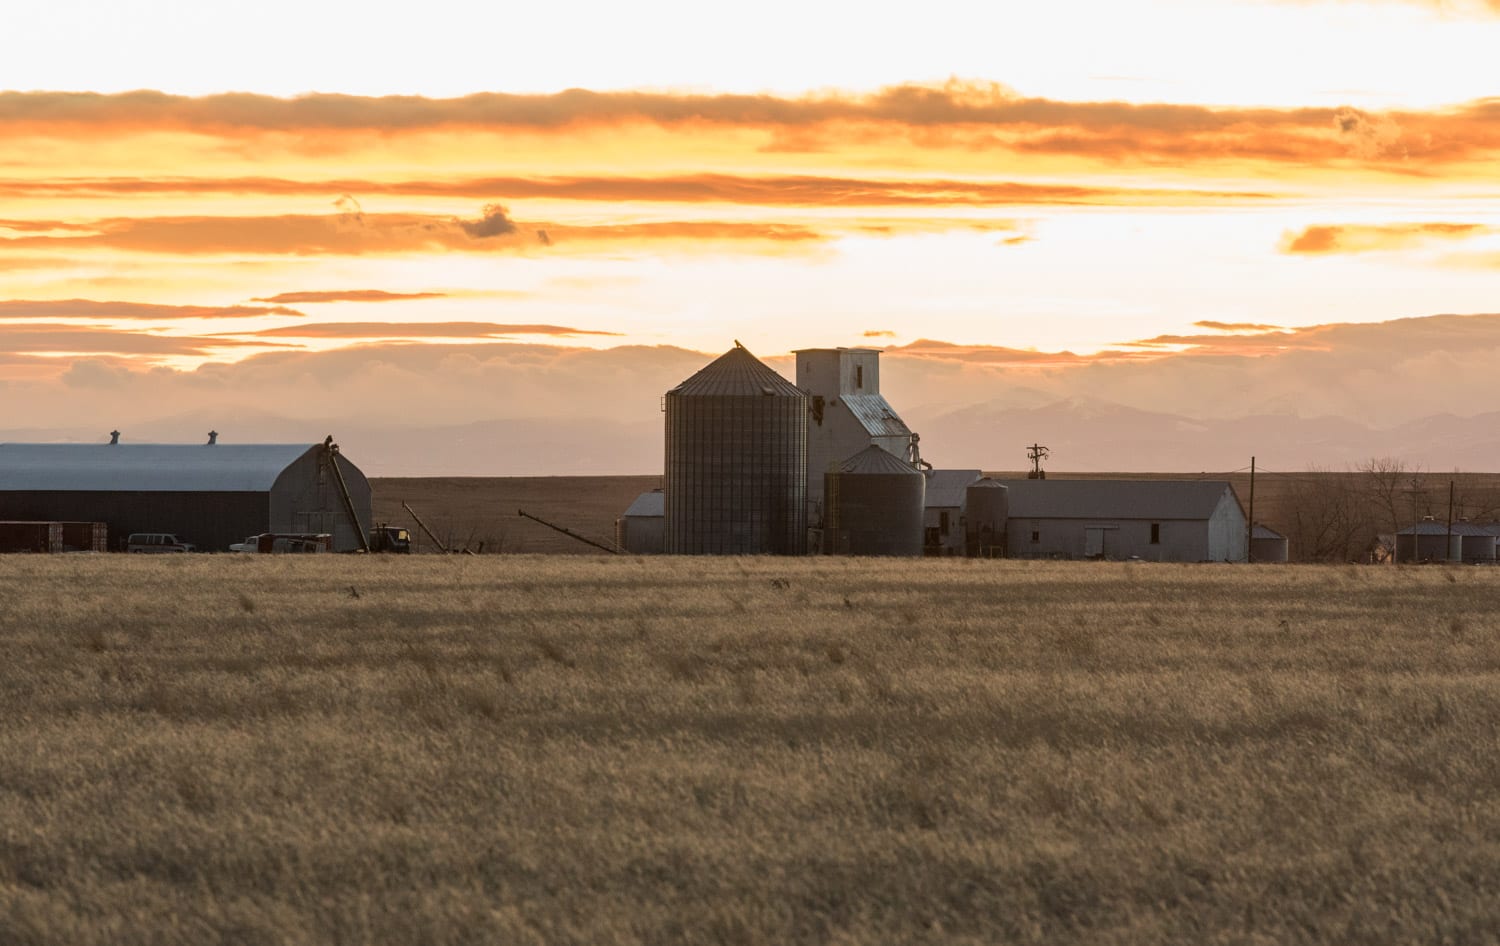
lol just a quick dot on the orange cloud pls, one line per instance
(1237, 326)
(769, 190)
(351, 234)
(91, 309)
(994, 354)
(417, 330)
(1367, 239)
(956, 115)
(348, 295)
(76, 339)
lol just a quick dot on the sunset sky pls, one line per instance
(194, 192)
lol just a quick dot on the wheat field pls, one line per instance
(516, 749)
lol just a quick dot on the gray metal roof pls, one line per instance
(737, 373)
(146, 467)
(648, 505)
(875, 460)
(1265, 532)
(1432, 527)
(946, 488)
(1115, 499)
(876, 415)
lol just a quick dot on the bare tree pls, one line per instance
(1328, 519)
(1390, 485)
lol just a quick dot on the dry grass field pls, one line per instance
(521, 749)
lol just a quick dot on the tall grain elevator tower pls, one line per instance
(736, 464)
(845, 414)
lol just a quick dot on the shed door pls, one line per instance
(1093, 541)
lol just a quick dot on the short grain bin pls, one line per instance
(877, 501)
(1268, 545)
(986, 513)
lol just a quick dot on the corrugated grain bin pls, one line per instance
(1268, 545)
(876, 503)
(1476, 543)
(986, 511)
(736, 464)
(31, 537)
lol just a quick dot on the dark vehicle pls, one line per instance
(390, 539)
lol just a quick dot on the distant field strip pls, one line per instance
(527, 749)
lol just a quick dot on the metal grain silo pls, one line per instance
(875, 503)
(736, 471)
(986, 509)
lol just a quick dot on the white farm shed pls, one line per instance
(1153, 520)
(643, 527)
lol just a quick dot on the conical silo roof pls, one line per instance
(986, 483)
(737, 373)
(877, 460)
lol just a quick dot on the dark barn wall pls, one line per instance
(211, 521)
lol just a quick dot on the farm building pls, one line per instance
(943, 523)
(845, 414)
(208, 494)
(1154, 520)
(1268, 545)
(642, 527)
(736, 461)
(1433, 541)
(875, 505)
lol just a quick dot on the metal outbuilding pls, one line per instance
(736, 461)
(640, 530)
(210, 494)
(1434, 541)
(875, 505)
(947, 494)
(1154, 520)
(1268, 545)
(986, 511)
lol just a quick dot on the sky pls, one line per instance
(197, 198)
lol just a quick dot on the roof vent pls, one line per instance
(114, 437)
(213, 437)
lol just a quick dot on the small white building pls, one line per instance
(845, 414)
(642, 528)
(943, 532)
(1153, 520)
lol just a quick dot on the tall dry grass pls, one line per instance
(512, 750)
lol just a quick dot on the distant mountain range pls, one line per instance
(1084, 435)
(1326, 396)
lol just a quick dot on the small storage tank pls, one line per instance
(736, 470)
(876, 502)
(986, 510)
(1426, 541)
(1476, 543)
(1268, 545)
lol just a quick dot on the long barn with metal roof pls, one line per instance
(1154, 520)
(209, 494)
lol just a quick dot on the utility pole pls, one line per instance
(1448, 551)
(1037, 453)
(1250, 533)
(1416, 554)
